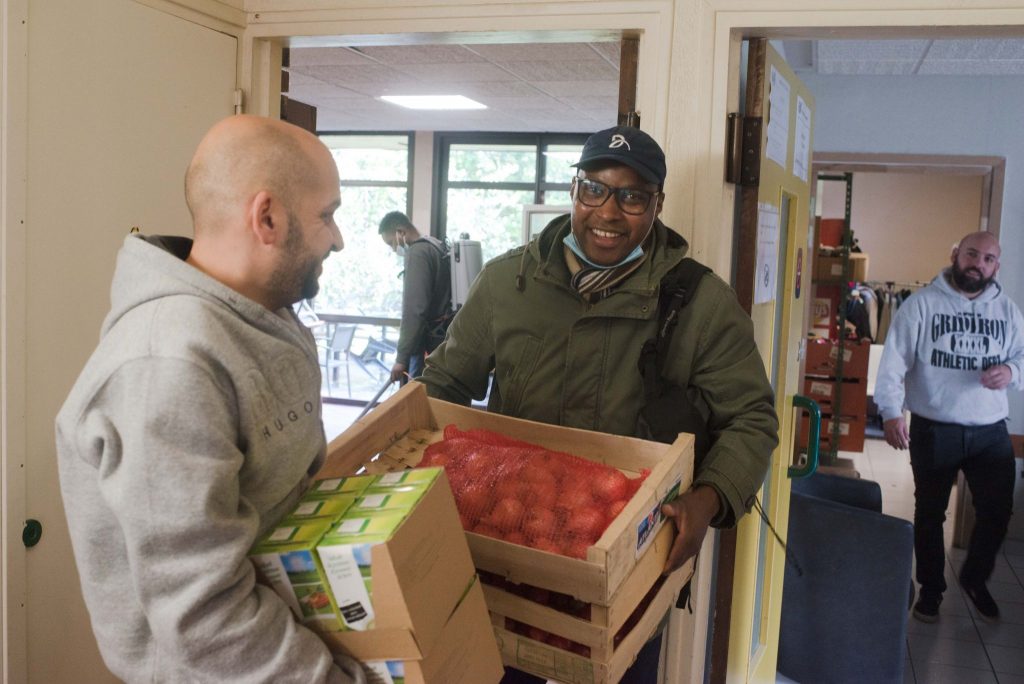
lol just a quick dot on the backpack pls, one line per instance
(439, 326)
(668, 409)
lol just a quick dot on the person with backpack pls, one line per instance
(426, 292)
(569, 324)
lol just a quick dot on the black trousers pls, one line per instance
(985, 455)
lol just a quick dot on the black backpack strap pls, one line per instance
(677, 288)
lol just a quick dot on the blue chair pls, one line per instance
(844, 612)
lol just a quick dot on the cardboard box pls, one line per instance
(823, 356)
(465, 653)
(418, 576)
(853, 395)
(830, 268)
(851, 433)
(394, 435)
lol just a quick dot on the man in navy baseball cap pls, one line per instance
(629, 146)
(563, 322)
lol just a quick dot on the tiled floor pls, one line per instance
(960, 648)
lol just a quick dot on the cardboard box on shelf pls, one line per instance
(394, 435)
(853, 397)
(851, 433)
(823, 357)
(830, 268)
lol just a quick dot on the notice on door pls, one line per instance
(778, 118)
(802, 141)
(767, 252)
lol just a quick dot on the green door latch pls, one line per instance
(812, 408)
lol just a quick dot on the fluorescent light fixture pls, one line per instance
(433, 101)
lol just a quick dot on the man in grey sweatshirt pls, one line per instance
(195, 425)
(953, 349)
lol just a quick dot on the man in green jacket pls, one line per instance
(561, 322)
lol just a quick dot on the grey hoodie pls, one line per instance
(193, 427)
(939, 344)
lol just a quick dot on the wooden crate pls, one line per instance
(545, 660)
(395, 434)
(598, 632)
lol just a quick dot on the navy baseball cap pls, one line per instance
(629, 146)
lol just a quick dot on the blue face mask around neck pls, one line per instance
(571, 242)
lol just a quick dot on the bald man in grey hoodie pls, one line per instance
(195, 425)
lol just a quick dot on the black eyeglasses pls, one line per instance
(592, 193)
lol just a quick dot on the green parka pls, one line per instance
(561, 360)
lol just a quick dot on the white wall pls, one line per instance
(906, 222)
(972, 115)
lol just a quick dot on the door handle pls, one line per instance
(813, 438)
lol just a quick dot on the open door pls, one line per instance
(772, 282)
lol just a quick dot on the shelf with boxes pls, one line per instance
(823, 384)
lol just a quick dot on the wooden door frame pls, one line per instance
(992, 171)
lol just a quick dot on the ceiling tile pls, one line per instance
(456, 73)
(972, 67)
(586, 88)
(320, 56)
(861, 67)
(419, 54)
(592, 70)
(977, 49)
(871, 50)
(533, 52)
(612, 52)
(345, 75)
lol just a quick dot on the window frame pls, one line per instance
(410, 138)
(442, 152)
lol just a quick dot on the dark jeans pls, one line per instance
(985, 454)
(643, 671)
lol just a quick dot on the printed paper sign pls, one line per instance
(778, 118)
(802, 141)
(767, 253)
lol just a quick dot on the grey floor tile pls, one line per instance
(1007, 659)
(956, 627)
(1011, 613)
(939, 673)
(925, 649)
(1005, 678)
(1016, 560)
(1006, 591)
(1014, 547)
(1001, 634)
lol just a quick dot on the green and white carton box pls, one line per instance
(286, 560)
(345, 555)
(411, 477)
(334, 486)
(386, 501)
(312, 508)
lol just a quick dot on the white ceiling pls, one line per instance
(569, 86)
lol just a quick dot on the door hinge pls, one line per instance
(743, 158)
(239, 101)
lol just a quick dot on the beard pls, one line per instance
(969, 280)
(297, 277)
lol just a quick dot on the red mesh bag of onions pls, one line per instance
(529, 495)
